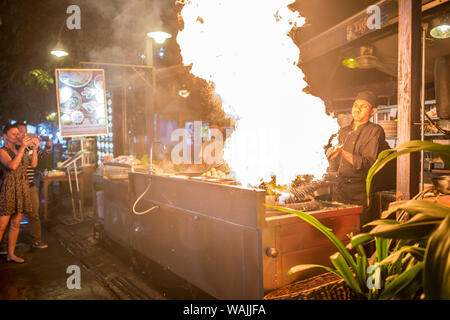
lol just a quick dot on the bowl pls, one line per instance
(75, 79)
(72, 102)
(98, 82)
(77, 117)
(442, 184)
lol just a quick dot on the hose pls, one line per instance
(141, 196)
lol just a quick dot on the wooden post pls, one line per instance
(409, 81)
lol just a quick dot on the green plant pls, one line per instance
(399, 264)
(436, 269)
(342, 260)
(412, 255)
(419, 244)
(429, 227)
(412, 146)
(39, 78)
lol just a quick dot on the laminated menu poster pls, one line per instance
(81, 101)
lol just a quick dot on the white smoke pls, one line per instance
(129, 20)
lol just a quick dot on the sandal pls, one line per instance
(15, 259)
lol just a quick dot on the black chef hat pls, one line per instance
(368, 96)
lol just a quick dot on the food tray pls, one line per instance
(217, 180)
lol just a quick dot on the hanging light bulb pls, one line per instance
(184, 93)
(59, 50)
(159, 36)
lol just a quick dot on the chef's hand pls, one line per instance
(334, 152)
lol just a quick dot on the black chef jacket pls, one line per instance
(365, 143)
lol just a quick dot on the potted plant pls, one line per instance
(411, 256)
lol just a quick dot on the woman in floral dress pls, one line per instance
(14, 190)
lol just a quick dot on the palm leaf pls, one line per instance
(361, 251)
(303, 267)
(408, 230)
(382, 222)
(416, 252)
(362, 263)
(401, 282)
(418, 227)
(382, 246)
(437, 264)
(411, 292)
(359, 239)
(43, 78)
(417, 206)
(408, 147)
(342, 267)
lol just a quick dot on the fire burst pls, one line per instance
(244, 50)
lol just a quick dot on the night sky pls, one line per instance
(111, 31)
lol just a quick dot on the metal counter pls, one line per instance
(219, 237)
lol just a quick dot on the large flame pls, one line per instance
(244, 49)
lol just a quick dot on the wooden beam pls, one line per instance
(116, 64)
(347, 31)
(353, 29)
(409, 84)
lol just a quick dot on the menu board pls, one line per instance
(81, 102)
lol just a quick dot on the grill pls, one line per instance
(305, 192)
(220, 236)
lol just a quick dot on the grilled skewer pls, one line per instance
(304, 192)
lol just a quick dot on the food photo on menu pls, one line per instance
(81, 102)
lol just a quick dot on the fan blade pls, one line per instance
(390, 69)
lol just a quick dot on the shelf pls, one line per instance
(444, 171)
(437, 135)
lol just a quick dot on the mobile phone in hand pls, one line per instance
(30, 136)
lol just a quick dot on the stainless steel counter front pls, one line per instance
(219, 237)
(209, 234)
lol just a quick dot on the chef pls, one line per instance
(358, 148)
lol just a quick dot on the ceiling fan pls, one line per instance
(367, 60)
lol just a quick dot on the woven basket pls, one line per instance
(326, 286)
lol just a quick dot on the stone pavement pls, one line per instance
(107, 271)
(43, 275)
